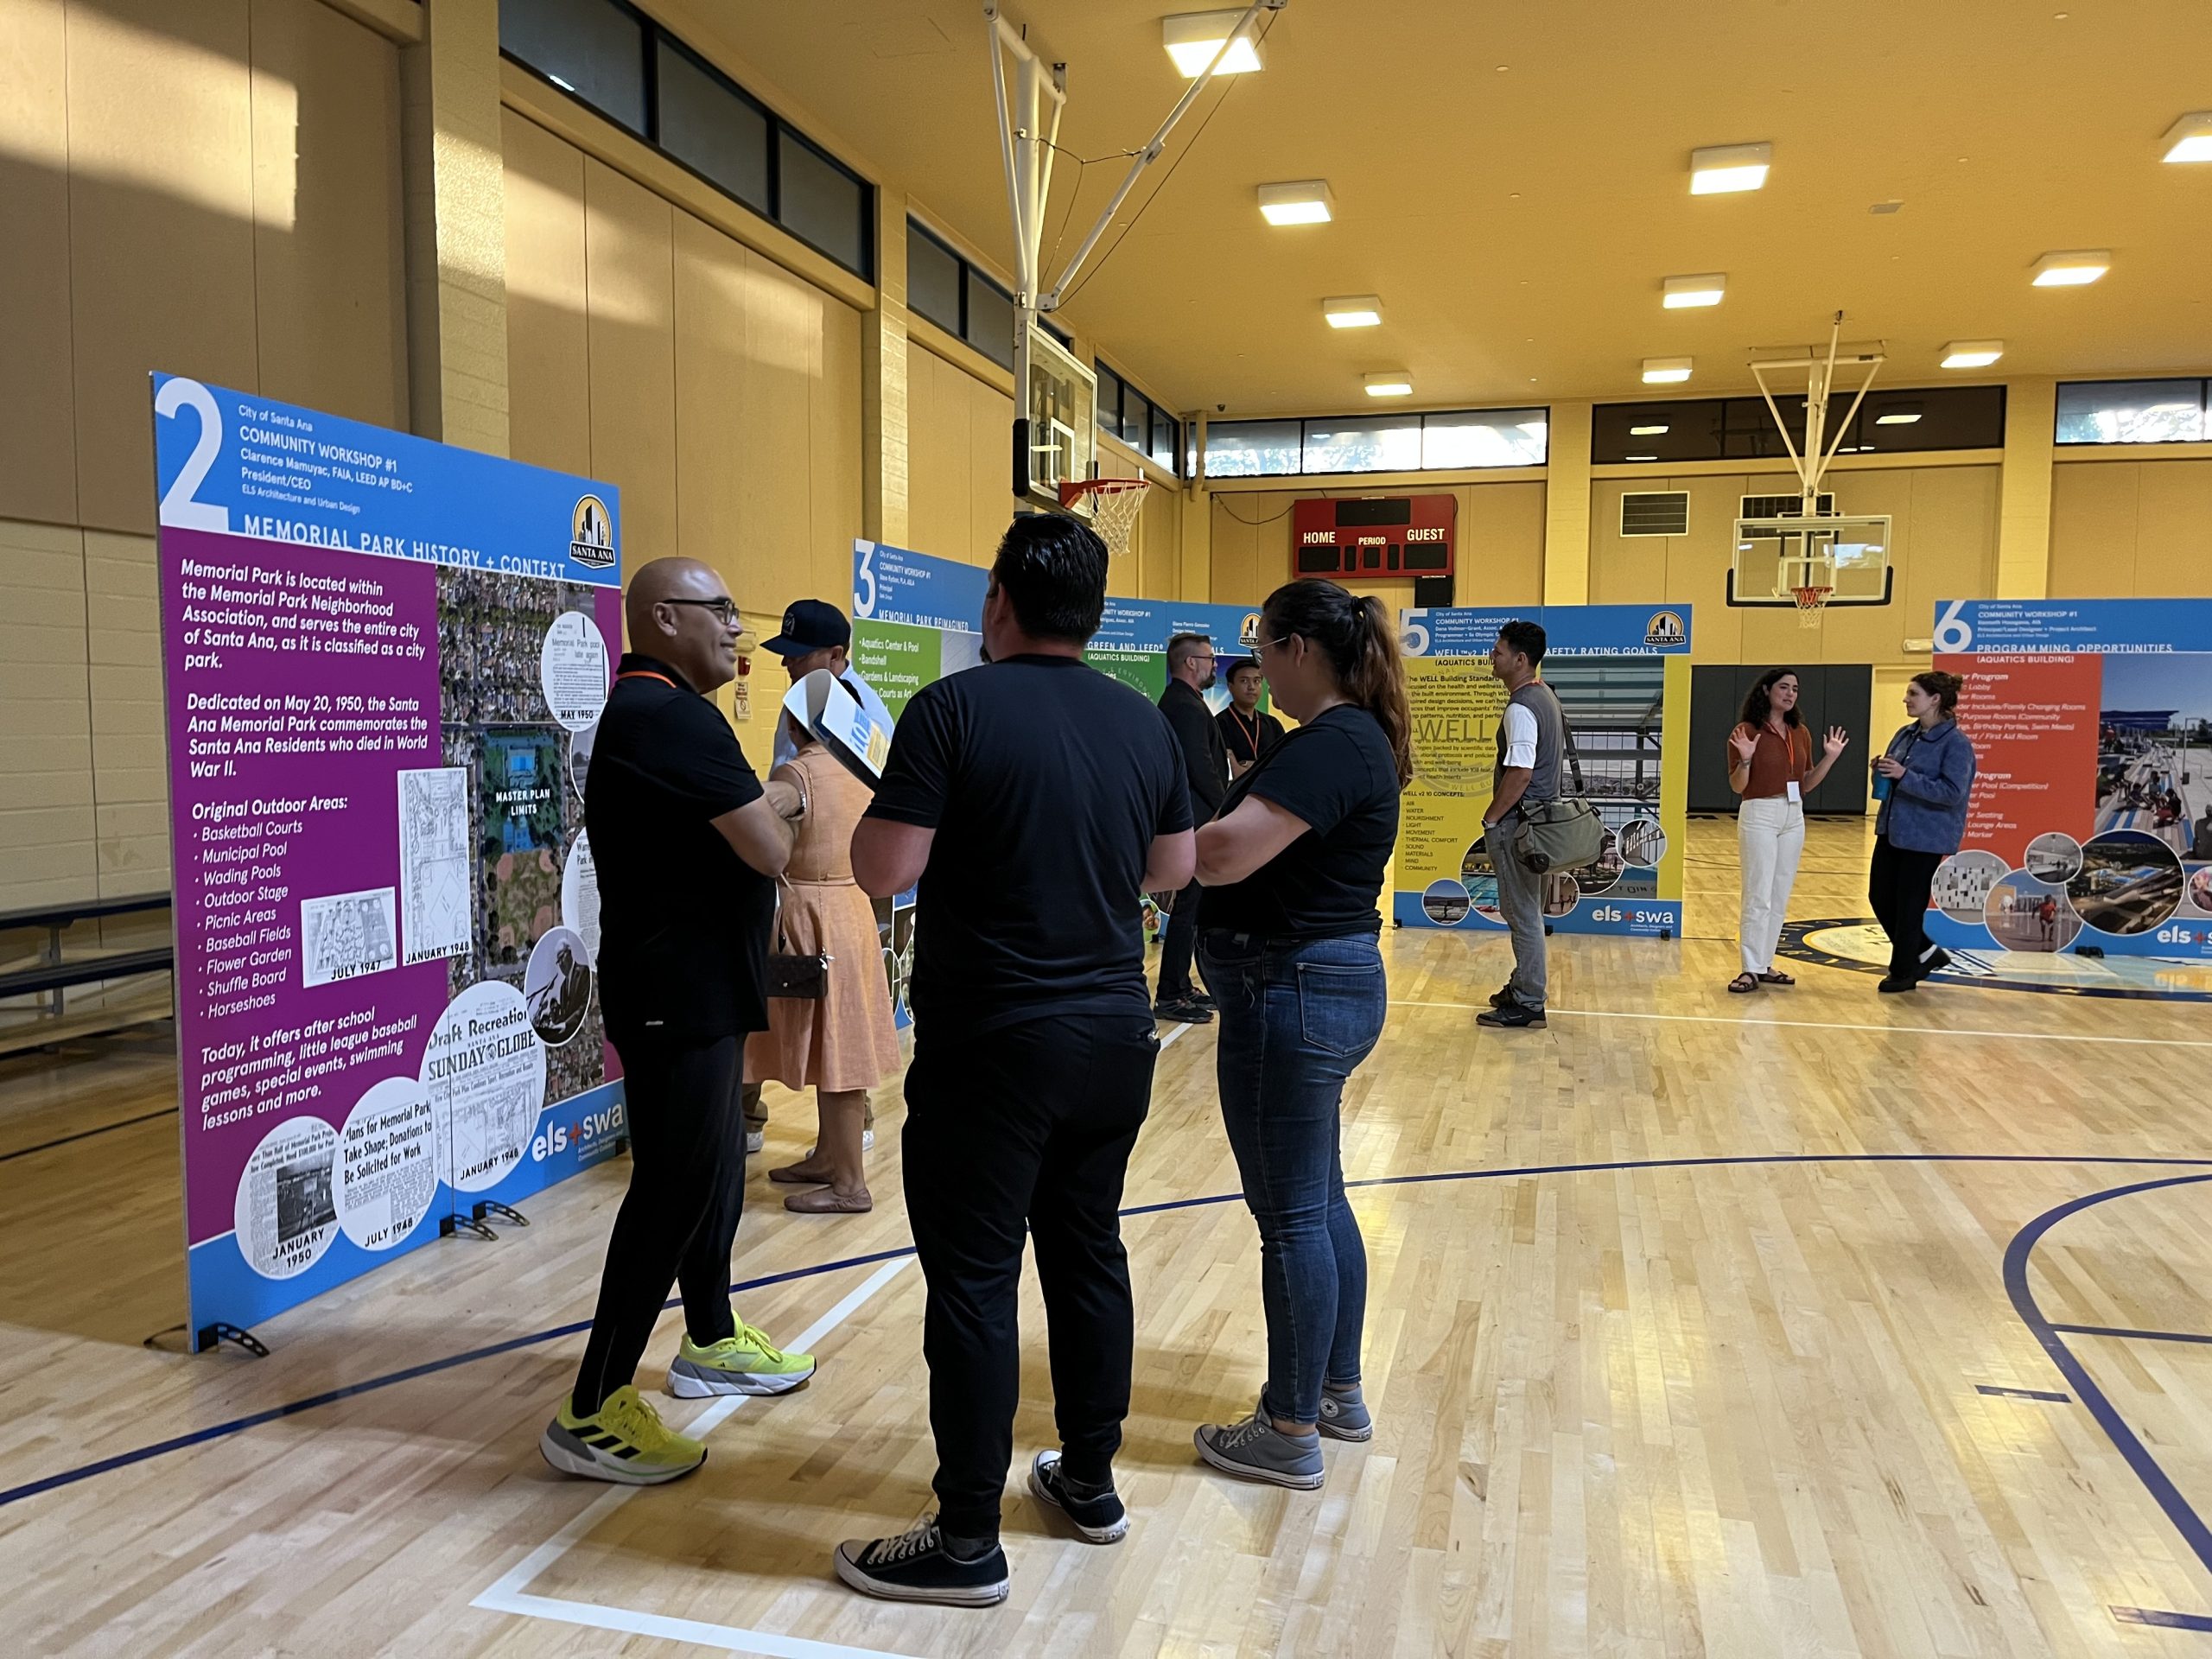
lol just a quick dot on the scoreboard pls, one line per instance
(1374, 535)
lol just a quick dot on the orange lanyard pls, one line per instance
(647, 674)
(1791, 770)
(1251, 736)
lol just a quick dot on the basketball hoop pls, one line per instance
(1112, 505)
(1810, 601)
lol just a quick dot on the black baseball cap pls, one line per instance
(810, 624)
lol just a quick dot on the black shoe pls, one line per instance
(1185, 1010)
(1932, 964)
(1503, 996)
(1891, 982)
(1512, 1016)
(1101, 1519)
(1203, 1001)
(914, 1567)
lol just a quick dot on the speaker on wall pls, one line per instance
(1433, 592)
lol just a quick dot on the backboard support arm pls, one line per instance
(1812, 466)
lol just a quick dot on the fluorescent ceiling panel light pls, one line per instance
(1972, 353)
(1194, 38)
(1681, 293)
(1723, 168)
(1395, 383)
(2071, 269)
(1643, 457)
(2189, 139)
(1896, 419)
(1665, 371)
(1646, 431)
(1353, 311)
(1307, 202)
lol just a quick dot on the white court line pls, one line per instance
(1179, 1029)
(1836, 1024)
(506, 1594)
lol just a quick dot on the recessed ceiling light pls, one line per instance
(1195, 38)
(1395, 383)
(1896, 418)
(1353, 311)
(1665, 371)
(1679, 293)
(1972, 353)
(1722, 169)
(2189, 139)
(2071, 269)
(1889, 206)
(1307, 202)
(1646, 431)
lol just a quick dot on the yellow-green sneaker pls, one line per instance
(745, 1363)
(623, 1441)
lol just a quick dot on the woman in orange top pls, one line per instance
(1770, 765)
(847, 1043)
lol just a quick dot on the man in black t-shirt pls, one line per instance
(1246, 733)
(1205, 768)
(1035, 801)
(688, 843)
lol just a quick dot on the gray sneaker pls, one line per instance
(1344, 1416)
(1258, 1451)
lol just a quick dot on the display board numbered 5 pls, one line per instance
(383, 661)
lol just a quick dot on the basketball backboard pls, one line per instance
(1055, 438)
(1847, 553)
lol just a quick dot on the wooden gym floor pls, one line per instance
(1699, 1325)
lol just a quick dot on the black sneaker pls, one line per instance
(1184, 1010)
(914, 1567)
(1101, 1519)
(1933, 964)
(1512, 1016)
(1891, 982)
(1205, 1000)
(1503, 996)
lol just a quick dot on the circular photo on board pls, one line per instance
(1601, 875)
(287, 1210)
(485, 1075)
(387, 1163)
(1476, 861)
(1643, 843)
(1561, 893)
(572, 669)
(2022, 914)
(2053, 855)
(1963, 882)
(580, 893)
(580, 756)
(2200, 887)
(557, 985)
(1482, 895)
(2129, 882)
(1445, 903)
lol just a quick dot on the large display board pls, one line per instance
(383, 661)
(1623, 675)
(2091, 819)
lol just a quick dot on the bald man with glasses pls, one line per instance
(688, 843)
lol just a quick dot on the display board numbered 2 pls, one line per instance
(384, 660)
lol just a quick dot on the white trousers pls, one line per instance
(1770, 837)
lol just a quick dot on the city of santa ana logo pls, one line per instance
(1665, 628)
(591, 534)
(1247, 635)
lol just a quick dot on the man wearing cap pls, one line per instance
(815, 634)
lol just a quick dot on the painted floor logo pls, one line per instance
(591, 534)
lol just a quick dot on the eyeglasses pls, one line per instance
(724, 611)
(1259, 646)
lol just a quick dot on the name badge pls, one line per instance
(1791, 787)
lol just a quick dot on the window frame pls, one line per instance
(1740, 429)
(1418, 419)
(651, 34)
(1153, 410)
(2202, 382)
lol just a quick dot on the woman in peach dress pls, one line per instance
(846, 1044)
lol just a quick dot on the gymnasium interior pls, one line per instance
(1853, 338)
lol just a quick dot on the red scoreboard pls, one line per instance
(1374, 535)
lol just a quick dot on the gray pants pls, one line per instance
(1521, 901)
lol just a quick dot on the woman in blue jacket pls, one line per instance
(1923, 781)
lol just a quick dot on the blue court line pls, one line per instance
(2170, 1621)
(2156, 1481)
(2133, 1336)
(239, 1425)
(1992, 1389)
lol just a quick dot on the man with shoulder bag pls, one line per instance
(1528, 815)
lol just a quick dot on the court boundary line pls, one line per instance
(1839, 1025)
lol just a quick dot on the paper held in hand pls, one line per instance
(834, 716)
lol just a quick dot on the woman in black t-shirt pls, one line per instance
(1288, 943)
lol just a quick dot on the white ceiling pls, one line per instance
(1512, 180)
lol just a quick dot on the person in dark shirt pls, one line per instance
(1246, 731)
(687, 845)
(1036, 801)
(1205, 764)
(1291, 868)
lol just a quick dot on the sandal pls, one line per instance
(1743, 983)
(827, 1201)
(1772, 977)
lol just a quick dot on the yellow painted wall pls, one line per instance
(211, 189)
(2123, 529)
(959, 457)
(1944, 523)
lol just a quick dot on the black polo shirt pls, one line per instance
(1237, 733)
(683, 921)
(1206, 762)
(1046, 782)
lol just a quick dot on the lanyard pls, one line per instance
(1252, 735)
(1791, 770)
(647, 674)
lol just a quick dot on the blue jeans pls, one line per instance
(1295, 1019)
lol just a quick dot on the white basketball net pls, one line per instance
(1115, 504)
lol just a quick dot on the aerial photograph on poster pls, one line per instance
(2154, 740)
